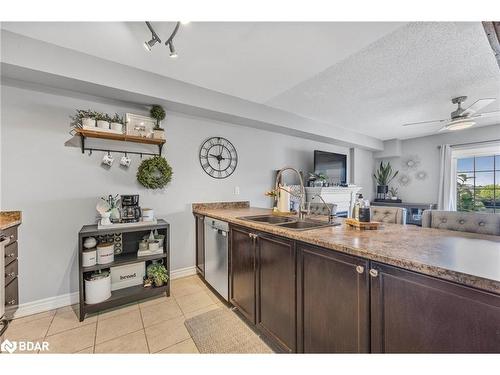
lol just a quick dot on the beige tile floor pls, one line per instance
(150, 326)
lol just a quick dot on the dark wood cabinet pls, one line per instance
(333, 302)
(11, 272)
(276, 290)
(200, 244)
(242, 288)
(414, 313)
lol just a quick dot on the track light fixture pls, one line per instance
(156, 39)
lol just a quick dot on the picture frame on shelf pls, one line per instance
(138, 125)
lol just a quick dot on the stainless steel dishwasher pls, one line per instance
(216, 258)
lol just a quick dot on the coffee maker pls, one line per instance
(131, 212)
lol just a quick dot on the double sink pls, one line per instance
(288, 222)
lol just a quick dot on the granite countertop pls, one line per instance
(9, 219)
(465, 258)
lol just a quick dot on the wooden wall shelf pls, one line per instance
(85, 133)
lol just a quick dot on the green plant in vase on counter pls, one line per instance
(157, 273)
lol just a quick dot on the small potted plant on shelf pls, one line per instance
(158, 113)
(383, 176)
(394, 193)
(157, 274)
(102, 120)
(84, 118)
(117, 123)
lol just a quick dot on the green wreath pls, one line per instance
(154, 173)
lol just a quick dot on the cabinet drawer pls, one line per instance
(11, 272)
(12, 294)
(11, 233)
(10, 253)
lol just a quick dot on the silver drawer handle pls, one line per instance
(12, 274)
(373, 273)
(11, 302)
(360, 269)
(11, 255)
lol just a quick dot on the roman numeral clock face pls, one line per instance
(218, 157)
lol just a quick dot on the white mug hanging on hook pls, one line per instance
(108, 160)
(125, 161)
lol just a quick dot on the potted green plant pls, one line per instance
(157, 273)
(117, 123)
(102, 120)
(383, 176)
(83, 118)
(158, 113)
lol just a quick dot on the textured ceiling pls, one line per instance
(250, 60)
(407, 76)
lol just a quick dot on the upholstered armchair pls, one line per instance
(384, 214)
(320, 208)
(474, 222)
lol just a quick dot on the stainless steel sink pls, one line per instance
(269, 219)
(288, 222)
(305, 225)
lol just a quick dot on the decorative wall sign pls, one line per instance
(410, 162)
(421, 175)
(218, 157)
(404, 180)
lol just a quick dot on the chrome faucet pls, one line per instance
(331, 215)
(302, 195)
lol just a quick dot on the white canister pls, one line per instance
(117, 127)
(105, 253)
(154, 245)
(148, 214)
(89, 257)
(97, 287)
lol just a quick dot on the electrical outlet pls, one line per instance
(236, 190)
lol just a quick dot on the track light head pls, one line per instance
(173, 53)
(149, 44)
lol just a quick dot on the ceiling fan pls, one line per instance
(462, 118)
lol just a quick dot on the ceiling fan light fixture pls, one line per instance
(459, 125)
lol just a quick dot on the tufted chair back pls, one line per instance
(320, 208)
(474, 222)
(383, 214)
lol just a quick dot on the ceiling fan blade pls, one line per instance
(481, 103)
(486, 114)
(426, 122)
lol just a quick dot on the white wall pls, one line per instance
(426, 148)
(57, 187)
(362, 171)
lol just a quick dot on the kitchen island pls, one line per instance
(337, 289)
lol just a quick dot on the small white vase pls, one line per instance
(102, 124)
(88, 122)
(117, 127)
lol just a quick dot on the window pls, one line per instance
(478, 183)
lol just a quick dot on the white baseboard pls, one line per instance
(46, 304)
(183, 272)
(63, 300)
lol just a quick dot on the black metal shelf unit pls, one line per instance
(130, 237)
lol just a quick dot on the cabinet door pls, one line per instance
(276, 297)
(333, 302)
(242, 272)
(414, 313)
(200, 244)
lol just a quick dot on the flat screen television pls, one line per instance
(332, 165)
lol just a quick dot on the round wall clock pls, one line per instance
(218, 157)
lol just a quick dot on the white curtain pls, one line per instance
(447, 180)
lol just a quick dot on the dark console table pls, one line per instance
(130, 242)
(413, 210)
